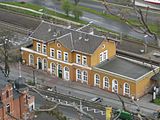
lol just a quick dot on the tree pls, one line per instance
(76, 2)
(66, 6)
(6, 51)
(142, 24)
(76, 11)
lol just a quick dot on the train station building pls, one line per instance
(81, 55)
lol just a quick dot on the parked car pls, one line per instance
(97, 99)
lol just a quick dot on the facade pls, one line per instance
(82, 56)
(14, 103)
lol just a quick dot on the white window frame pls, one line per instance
(30, 62)
(58, 54)
(52, 52)
(113, 86)
(65, 55)
(124, 89)
(95, 80)
(38, 47)
(106, 56)
(101, 57)
(78, 58)
(104, 82)
(44, 48)
(84, 77)
(77, 74)
(84, 60)
(66, 72)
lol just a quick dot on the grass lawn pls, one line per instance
(157, 101)
(38, 8)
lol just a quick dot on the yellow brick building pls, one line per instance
(82, 56)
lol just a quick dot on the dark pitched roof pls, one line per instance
(124, 67)
(72, 39)
(3, 80)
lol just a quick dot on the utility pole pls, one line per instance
(19, 67)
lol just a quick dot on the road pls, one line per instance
(82, 91)
(97, 20)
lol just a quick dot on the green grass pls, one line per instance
(152, 26)
(157, 101)
(37, 8)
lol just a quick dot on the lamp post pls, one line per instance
(145, 43)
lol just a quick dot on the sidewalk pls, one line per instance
(83, 91)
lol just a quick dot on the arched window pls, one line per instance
(31, 59)
(85, 76)
(96, 79)
(126, 87)
(78, 75)
(105, 82)
(66, 73)
(59, 71)
(115, 86)
(53, 68)
(45, 65)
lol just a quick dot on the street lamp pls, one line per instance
(145, 43)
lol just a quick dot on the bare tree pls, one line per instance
(141, 26)
(6, 51)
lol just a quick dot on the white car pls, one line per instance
(97, 99)
(50, 89)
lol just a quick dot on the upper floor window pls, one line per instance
(78, 58)
(44, 49)
(84, 60)
(65, 56)
(101, 57)
(38, 47)
(59, 54)
(52, 52)
(105, 55)
(7, 94)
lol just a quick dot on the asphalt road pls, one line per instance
(97, 20)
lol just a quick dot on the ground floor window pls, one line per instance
(96, 79)
(78, 75)
(126, 89)
(106, 82)
(53, 68)
(39, 63)
(85, 76)
(31, 59)
(66, 73)
(8, 108)
(45, 64)
(115, 86)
